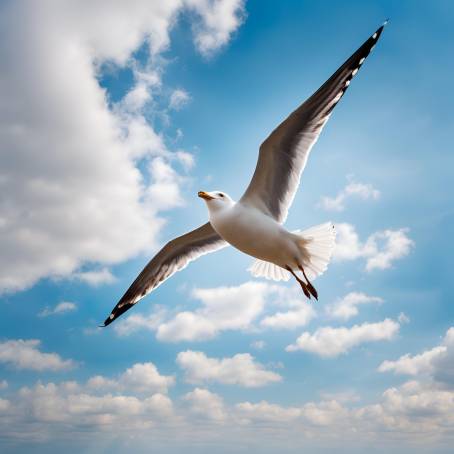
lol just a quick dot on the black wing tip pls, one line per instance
(108, 320)
(118, 310)
(379, 30)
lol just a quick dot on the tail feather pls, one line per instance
(318, 244)
(260, 268)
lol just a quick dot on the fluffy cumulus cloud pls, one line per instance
(299, 312)
(241, 369)
(413, 411)
(381, 249)
(414, 365)
(205, 404)
(436, 363)
(330, 342)
(25, 354)
(65, 407)
(347, 307)
(218, 20)
(352, 189)
(226, 308)
(141, 377)
(223, 308)
(137, 322)
(72, 190)
(265, 411)
(60, 308)
(415, 408)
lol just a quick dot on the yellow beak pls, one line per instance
(205, 195)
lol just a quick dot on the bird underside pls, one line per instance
(317, 244)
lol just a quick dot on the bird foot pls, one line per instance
(312, 290)
(305, 290)
(309, 286)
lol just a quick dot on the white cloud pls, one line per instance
(352, 189)
(69, 404)
(444, 364)
(218, 20)
(224, 308)
(324, 413)
(330, 342)
(206, 404)
(264, 411)
(178, 99)
(301, 314)
(437, 363)
(60, 308)
(3, 384)
(380, 249)
(403, 318)
(416, 409)
(95, 277)
(258, 344)
(413, 412)
(72, 189)
(347, 307)
(135, 322)
(414, 365)
(241, 369)
(141, 378)
(25, 354)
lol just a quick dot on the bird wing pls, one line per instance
(173, 257)
(284, 153)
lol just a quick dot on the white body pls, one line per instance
(256, 234)
(276, 249)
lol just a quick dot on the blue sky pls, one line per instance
(113, 118)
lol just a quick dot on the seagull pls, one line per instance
(254, 224)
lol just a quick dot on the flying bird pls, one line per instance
(254, 224)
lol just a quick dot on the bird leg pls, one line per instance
(303, 285)
(309, 286)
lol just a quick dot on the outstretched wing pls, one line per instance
(284, 153)
(173, 257)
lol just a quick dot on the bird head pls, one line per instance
(216, 200)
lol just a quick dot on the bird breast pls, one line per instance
(253, 233)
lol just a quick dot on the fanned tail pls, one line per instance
(260, 268)
(318, 242)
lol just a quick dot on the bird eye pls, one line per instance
(221, 195)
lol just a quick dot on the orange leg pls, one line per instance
(309, 286)
(303, 285)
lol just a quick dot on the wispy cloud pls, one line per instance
(95, 277)
(60, 308)
(351, 190)
(178, 99)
